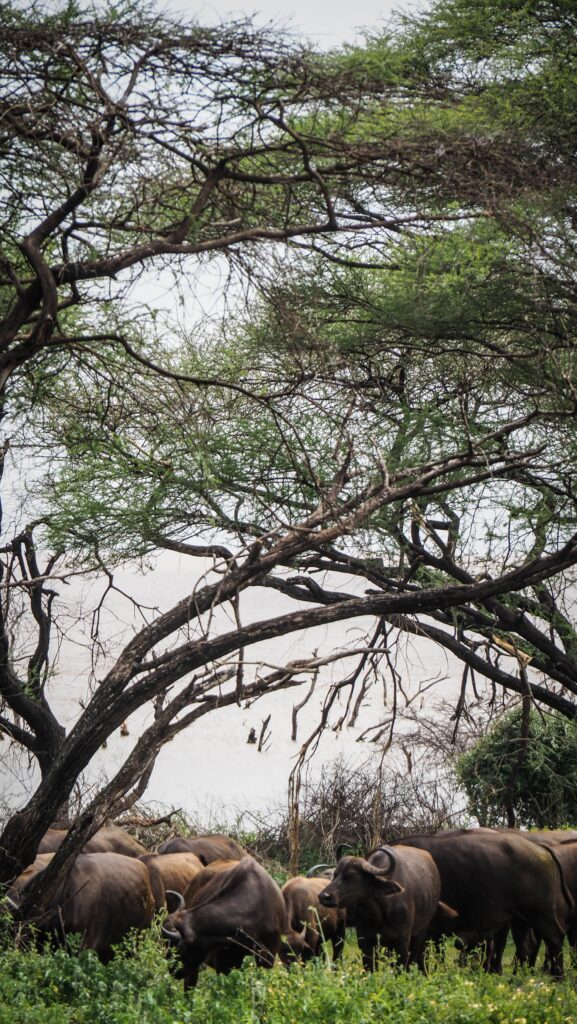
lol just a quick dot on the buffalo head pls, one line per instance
(357, 881)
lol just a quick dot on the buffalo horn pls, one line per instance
(392, 861)
(317, 867)
(341, 847)
(176, 899)
(171, 934)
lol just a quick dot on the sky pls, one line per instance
(325, 23)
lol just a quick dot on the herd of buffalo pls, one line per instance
(476, 884)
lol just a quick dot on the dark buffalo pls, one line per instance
(566, 854)
(173, 872)
(207, 848)
(111, 839)
(240, 911)
(309, 923)
(495, 880)
(390, 899)
(563, 844)
(104, 897)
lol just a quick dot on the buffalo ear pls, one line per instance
(390, 887)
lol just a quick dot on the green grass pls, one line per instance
(137, 988)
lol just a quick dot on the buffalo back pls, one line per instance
(491, 877)
(110, 839)
(208, 848)
(172, 871)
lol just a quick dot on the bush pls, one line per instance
(531, 777)
(53, 988)
(345, 804)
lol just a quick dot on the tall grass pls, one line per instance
(138, 988)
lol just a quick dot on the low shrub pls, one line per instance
(138, 988)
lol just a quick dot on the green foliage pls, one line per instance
(469, 321)
(537, 776)
(54, 988)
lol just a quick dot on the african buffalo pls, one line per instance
(207, 848)
(240, 911)
(563, 844)
(172, 871)
(309, 923)
(498, 879)
(106, 895)
(111, 839)
(390, 899)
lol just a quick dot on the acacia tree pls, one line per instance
(130, 140)
(351, 413)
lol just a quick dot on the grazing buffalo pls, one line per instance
(173, 871)
(207, 848)
(390, 899)
(240, 911)
(495, 880)
(111, 839)
(309, 923)
(106, 895)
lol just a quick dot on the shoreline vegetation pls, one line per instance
(52, 987)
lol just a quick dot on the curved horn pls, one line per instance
(392, 861)
(341, 847)
(171, 933)
(317, 867)
(12, 906)
(177, 902)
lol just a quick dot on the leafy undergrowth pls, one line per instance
(137, 988)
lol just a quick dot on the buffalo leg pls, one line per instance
(368, 946)
(553, 936)
(400, 951)
(189, 975)
(338, 941)
(227, 958)
(572, 940)
(497, 948)
(526, 944)
(417, 950)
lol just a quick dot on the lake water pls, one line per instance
(210, 770)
